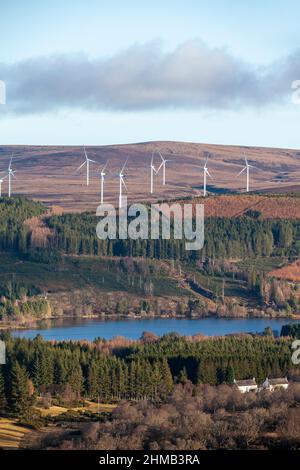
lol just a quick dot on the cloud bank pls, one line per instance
(144, 77)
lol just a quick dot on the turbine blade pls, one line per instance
(81, 166)
(124, 165)
(10, 161)
(103, 169)
(92, 161)
(245, 168)
(209, 174)
(161, 157)
(85, 154)
(158, 170)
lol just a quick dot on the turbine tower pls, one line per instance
(102, 175)
(152, 171)
(205, 174)
(163, 165)
(122, 183)
(10, 175)
(87, 163)
(247, 168)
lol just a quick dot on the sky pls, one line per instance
(106, 72)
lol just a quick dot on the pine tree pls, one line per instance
(43, 370)
(93, 380)
(230, 375)
(21, 400)
(75, 380)
(2, 393)
(183, 376)
(166, 379)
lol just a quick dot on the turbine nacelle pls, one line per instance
(87, 163)
(102, 172)
(163, 166)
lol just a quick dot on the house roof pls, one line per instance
(278, 381)
(245, 383)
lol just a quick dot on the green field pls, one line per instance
(80, 272)
(265, 264)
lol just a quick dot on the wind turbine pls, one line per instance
(102, 175)
(10, 175)
(247, 168)
(152, 171)
(87, 163)
(122, 183)
(163, 165)
(205, 174)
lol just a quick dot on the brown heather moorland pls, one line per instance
(48, 173)
(291, 272)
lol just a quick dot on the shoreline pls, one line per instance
(35, 324)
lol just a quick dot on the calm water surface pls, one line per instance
(90, 328)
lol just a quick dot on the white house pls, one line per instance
(275, 384)
(248, 385)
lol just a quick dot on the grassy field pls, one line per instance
(84, 272)
(262, 264)
(89, 406)
(11, 433)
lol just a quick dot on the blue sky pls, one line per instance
(99, 72)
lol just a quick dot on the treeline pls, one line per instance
(293, 330)
(238, 237)
(16, 301)
(13, 212)
(218, 360)
(224, 238)
(37, 308)
(13, 290)
(111, 371)
(69, 371)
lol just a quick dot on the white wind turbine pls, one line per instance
(87, 163)
(122, 183)
(152, 171)
(247, 168)
(205, 174)
(102, 175)
(10, 175)
(163, 165)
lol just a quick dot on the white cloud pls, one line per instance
(144, 77)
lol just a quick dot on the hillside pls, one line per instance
(269, 207)
(49, 173)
